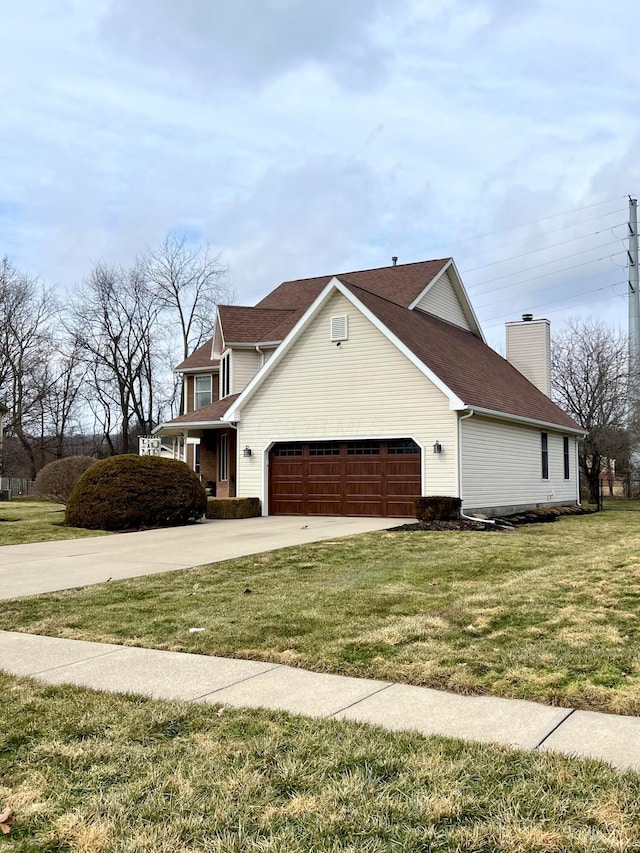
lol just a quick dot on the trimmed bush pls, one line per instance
(438, 508)
(233, 507)
(58, 479)
(135, 492)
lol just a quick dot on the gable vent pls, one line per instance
(339, 328)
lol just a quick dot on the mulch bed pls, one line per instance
(502, 524)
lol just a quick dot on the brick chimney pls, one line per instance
(529, 350)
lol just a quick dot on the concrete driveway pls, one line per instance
(51, 566)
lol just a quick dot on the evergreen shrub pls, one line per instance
(57, 480)
(233, 507)
(134, 492)
(438, 508)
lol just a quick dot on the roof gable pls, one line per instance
(445, 296)
(202, 357)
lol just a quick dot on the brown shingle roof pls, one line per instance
(250, 325)
(471, 369)
(207, 414)
(199, 358)
(400, 284)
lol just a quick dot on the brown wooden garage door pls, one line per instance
(344, 478)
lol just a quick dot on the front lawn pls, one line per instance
(91, 772)
(548, 613)
(25, 521)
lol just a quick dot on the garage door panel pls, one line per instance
(344, 478)
(332, 488)
(320, 468)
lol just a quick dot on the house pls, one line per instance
(353, 394)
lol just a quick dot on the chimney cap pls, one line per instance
(527, 318)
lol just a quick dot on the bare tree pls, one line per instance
(188, 282)
(114, 322)
(590, 373)
(26, 351)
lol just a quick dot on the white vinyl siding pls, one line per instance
(502, 466)
(246, 363)
(529, 351)
(441, 300)
(364, 388)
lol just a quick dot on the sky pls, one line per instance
(303, 138)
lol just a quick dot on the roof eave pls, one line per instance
(252, 344)
(170, 428)
(207, 369)
(507, 416)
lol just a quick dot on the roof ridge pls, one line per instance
(369, 269)
(255, 308)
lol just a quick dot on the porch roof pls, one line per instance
(210, 416)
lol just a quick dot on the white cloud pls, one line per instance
(304, 138)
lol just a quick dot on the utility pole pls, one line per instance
(634, 294)
(634, 341)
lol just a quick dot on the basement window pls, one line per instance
(544, 446)
(340, 328)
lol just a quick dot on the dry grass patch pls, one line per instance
(549, 613)
(93, 773)
(26, 521)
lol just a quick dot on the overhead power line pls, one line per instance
(576, 296)
(544, 248)
(547, 274)
(541, 219)
(534, 293)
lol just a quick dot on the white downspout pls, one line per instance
(462, 514)
(261, 355)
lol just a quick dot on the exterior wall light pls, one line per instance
(247, 452)
(437, 447)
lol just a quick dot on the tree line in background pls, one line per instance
(87, 372)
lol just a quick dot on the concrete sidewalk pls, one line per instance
(50, 566)
(213, 680)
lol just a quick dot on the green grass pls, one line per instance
(95, 773)
(24, 521)
(548, 613)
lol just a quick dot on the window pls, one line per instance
(196, 458)
(287, 450)
(202, 392)
(402, 446)
(225, 375)
(363, 448)
(565, 448)
(223, 457)
(544, 445)
(324, 448)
